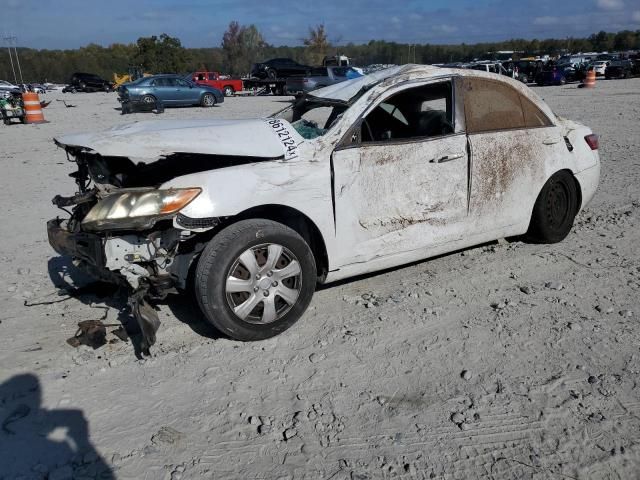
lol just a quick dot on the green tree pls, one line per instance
(241, 46)
(162, 54)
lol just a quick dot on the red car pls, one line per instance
(228, 86)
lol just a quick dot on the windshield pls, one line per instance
(312, 118)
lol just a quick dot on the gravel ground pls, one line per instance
(503, 361)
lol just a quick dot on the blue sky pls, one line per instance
(201, 23)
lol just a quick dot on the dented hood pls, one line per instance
(159, 138)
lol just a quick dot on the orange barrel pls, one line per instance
(32, 108)
(590, 80)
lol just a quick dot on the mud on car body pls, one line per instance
(371, 173)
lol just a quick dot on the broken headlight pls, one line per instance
(137, 209)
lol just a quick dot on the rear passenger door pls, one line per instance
(514, 148)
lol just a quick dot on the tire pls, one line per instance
(224, 259)
(555, 209)
(207, 100)
(271, 74)
(148, 99)
(563, 81)
(524, 79)
(228, 91)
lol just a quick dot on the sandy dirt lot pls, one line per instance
(504, 361)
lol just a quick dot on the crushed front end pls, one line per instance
(121, 227)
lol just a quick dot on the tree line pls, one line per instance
(243, 45)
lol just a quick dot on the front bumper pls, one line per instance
(90, 249)
(85, 246)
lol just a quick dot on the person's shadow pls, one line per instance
(36, 442)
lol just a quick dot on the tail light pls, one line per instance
(592, 141)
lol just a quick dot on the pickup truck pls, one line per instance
(320, 77)
(228, 86)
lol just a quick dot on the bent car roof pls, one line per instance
(347, 90)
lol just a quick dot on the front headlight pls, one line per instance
(137, 209)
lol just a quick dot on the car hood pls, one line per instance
(150, 140)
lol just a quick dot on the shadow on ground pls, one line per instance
(44, 443)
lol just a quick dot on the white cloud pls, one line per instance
(610, 4)
(546, 20)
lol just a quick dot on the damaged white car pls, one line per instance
(379, 171)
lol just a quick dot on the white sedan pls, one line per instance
(397, 166)
(600, 67)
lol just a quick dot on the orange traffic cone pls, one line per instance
(32, 108)
(590, 80)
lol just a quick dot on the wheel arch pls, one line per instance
(576, 181)
(297, 221)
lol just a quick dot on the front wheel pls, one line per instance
(554, 210)
(228, 91)
(255, 279)
(208, 100)
(148, 100)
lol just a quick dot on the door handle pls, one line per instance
(446, 158)
(550, 141)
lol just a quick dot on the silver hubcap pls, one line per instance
(263, 283)
(208, 100)
(148, 100)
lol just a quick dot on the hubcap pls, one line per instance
(263, 283)
(208, 100)
(558, 204)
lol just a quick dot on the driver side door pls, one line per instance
(401, 177)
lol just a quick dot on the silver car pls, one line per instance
(320, 77)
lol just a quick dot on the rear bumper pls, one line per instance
(85, 246)
(588, 180)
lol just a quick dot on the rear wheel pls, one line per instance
(555, 209)
(228, 91)
(255, 279)
(208, 100)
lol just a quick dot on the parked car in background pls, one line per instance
(226, 85)
(619, 69)
(600, 67)
(371, 173)
(87, 82)
(278, 68)
(170, 90)
(551, 75)
(7, 86)
(319, 77)
(37, 88)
